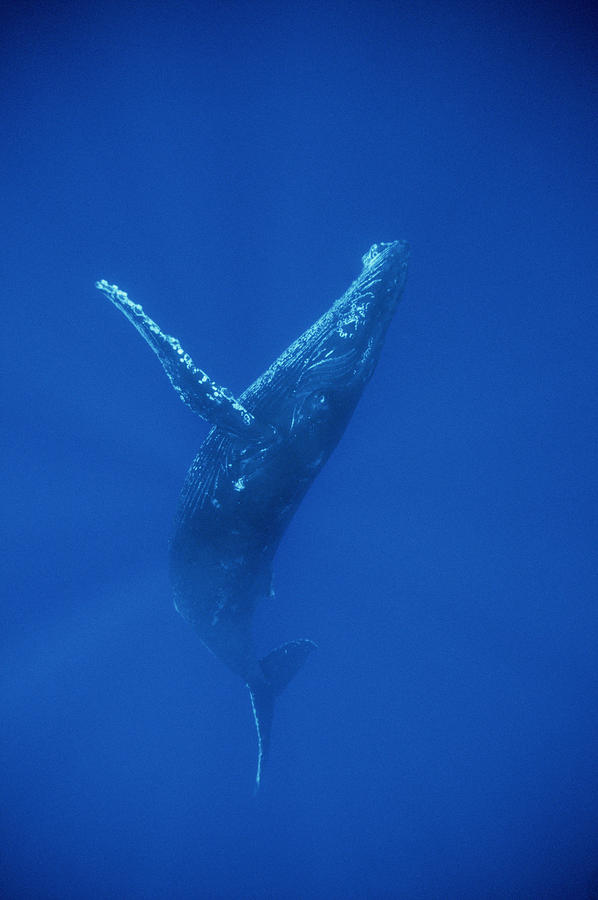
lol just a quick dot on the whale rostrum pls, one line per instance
(262, 452)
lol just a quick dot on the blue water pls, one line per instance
(228, 164)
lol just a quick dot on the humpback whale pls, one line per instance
(262, 452)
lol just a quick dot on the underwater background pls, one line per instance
(228, 164)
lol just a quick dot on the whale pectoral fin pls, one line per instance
(278, 667)
(194, 387)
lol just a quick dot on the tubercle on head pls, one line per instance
(374, 251)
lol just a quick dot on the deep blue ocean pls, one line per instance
(228, 164)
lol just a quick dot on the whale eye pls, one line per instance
(318, 401)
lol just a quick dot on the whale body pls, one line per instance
(263, 451)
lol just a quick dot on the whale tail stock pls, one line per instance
(278, 668)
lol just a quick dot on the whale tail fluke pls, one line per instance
(278, 667)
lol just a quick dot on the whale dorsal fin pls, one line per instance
(194, 387)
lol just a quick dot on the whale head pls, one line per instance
(311, 390)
